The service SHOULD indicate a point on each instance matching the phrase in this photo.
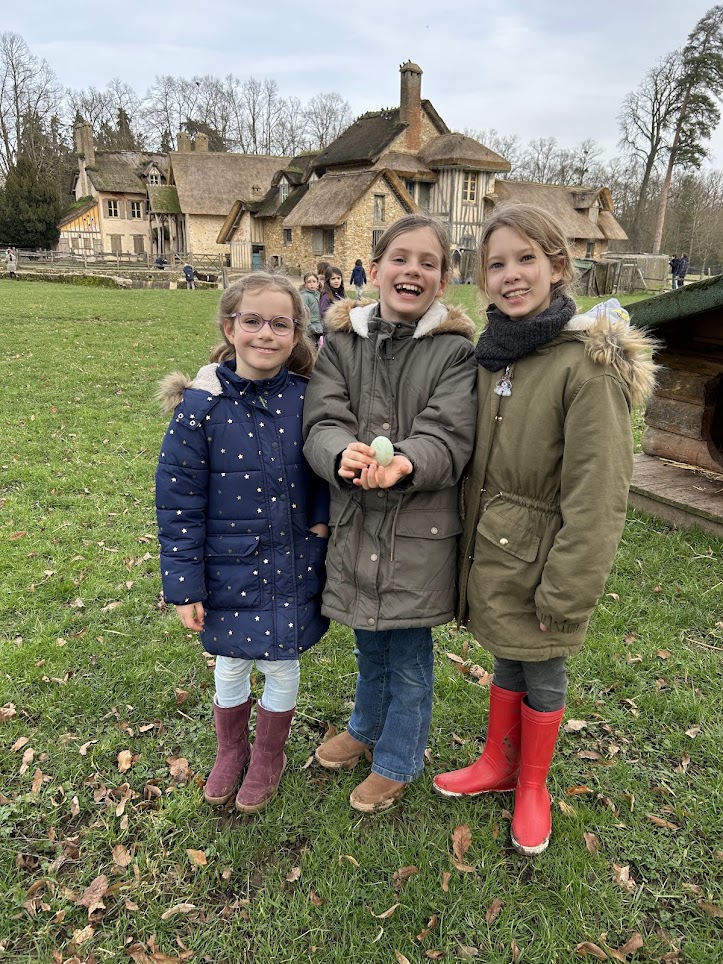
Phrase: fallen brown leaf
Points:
(352, 860)
(588, 948)
(711, 909)
(431, 924)
(494, 910)
(592, 842)
(177, 909)
(180, 770)
(121, 857)
(81, 935)
(92, 896)
(461, 840)
(435, 955)
(315, 899)
(693, 732)
(661, 822)
(574, 726)
(446, 877)
(632, 944)
(197, 857)
(577, 791)
(404, 873)
(293, 875)
(401, 959)
(19, 744)
(621, 876)
(125, 760)
(384, 914)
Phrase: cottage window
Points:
(379, 208)
(590, 249)
(154, 178)
(322, 241)
(288, 236)
(136, 209)
(112, 209)
(469, 188)
(116, 244)
(139, 244)
(376, 238)
(283, 191)
(423, 193)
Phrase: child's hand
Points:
(355, 457)
(377, 476)
(321, 530)
(543, 628)
(191, 615)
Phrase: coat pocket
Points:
(313, 560)
(509, 527)
(233, 578)
(425, 551)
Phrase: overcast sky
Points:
(558, 68)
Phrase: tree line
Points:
(665, 199)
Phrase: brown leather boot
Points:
(268, 760)
(376, 793)
(232, 755)
(342, 752)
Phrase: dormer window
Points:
(154, 177)
(283, 191)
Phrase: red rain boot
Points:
(531, 823)
(232, 737)
(498, 767)
(267, 760)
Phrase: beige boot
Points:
(376, 793)
(342, 752)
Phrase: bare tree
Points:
(327, 115)
(30, 97)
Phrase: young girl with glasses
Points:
(242, 525)
(402, 368)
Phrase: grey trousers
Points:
(545, 682)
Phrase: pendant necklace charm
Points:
(504, 385)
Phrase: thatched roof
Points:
(458, 150)
(163, 199)
(560, 201)
(366, 139)
(120, 172)
(329, 200)
(209, 183)
(405, 165)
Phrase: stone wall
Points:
(202, 231)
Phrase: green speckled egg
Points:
(383, 450)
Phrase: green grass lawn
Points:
(107, 851)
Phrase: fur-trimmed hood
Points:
(172, 386)
(440, 319)
(611, 340)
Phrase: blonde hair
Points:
(412, 222)
(302, 356)
(537, 225)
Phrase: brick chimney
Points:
(183, 142)
(202, 143)
(410, 104)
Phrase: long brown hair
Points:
(302, 356)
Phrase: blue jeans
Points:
(393, 703)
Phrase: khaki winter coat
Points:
(391, 561)
(545, 496)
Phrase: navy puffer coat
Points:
(235, 500)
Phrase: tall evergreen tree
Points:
(29, 208)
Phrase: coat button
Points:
(374, 557)
(434, 530)
(498, 418)
(370, 621)
(385, 425)
(503, 542)
(380, 493)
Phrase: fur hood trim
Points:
(440, 319)
(171, 388)
(611, 340)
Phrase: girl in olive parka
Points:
(545, 497)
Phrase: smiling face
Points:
(409, 275)
(261, 354)
(518, 274)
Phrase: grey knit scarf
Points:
(504, 340)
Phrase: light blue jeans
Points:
(281, 685)
(393, 703)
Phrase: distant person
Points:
(190, 276)
(683, 265)
(310, 295)
(12, 261)
(243, 541)
(674, 264)
(358, 278)
(333, 289)
(160, 262)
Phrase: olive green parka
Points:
(391, 562)
(545, 495)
